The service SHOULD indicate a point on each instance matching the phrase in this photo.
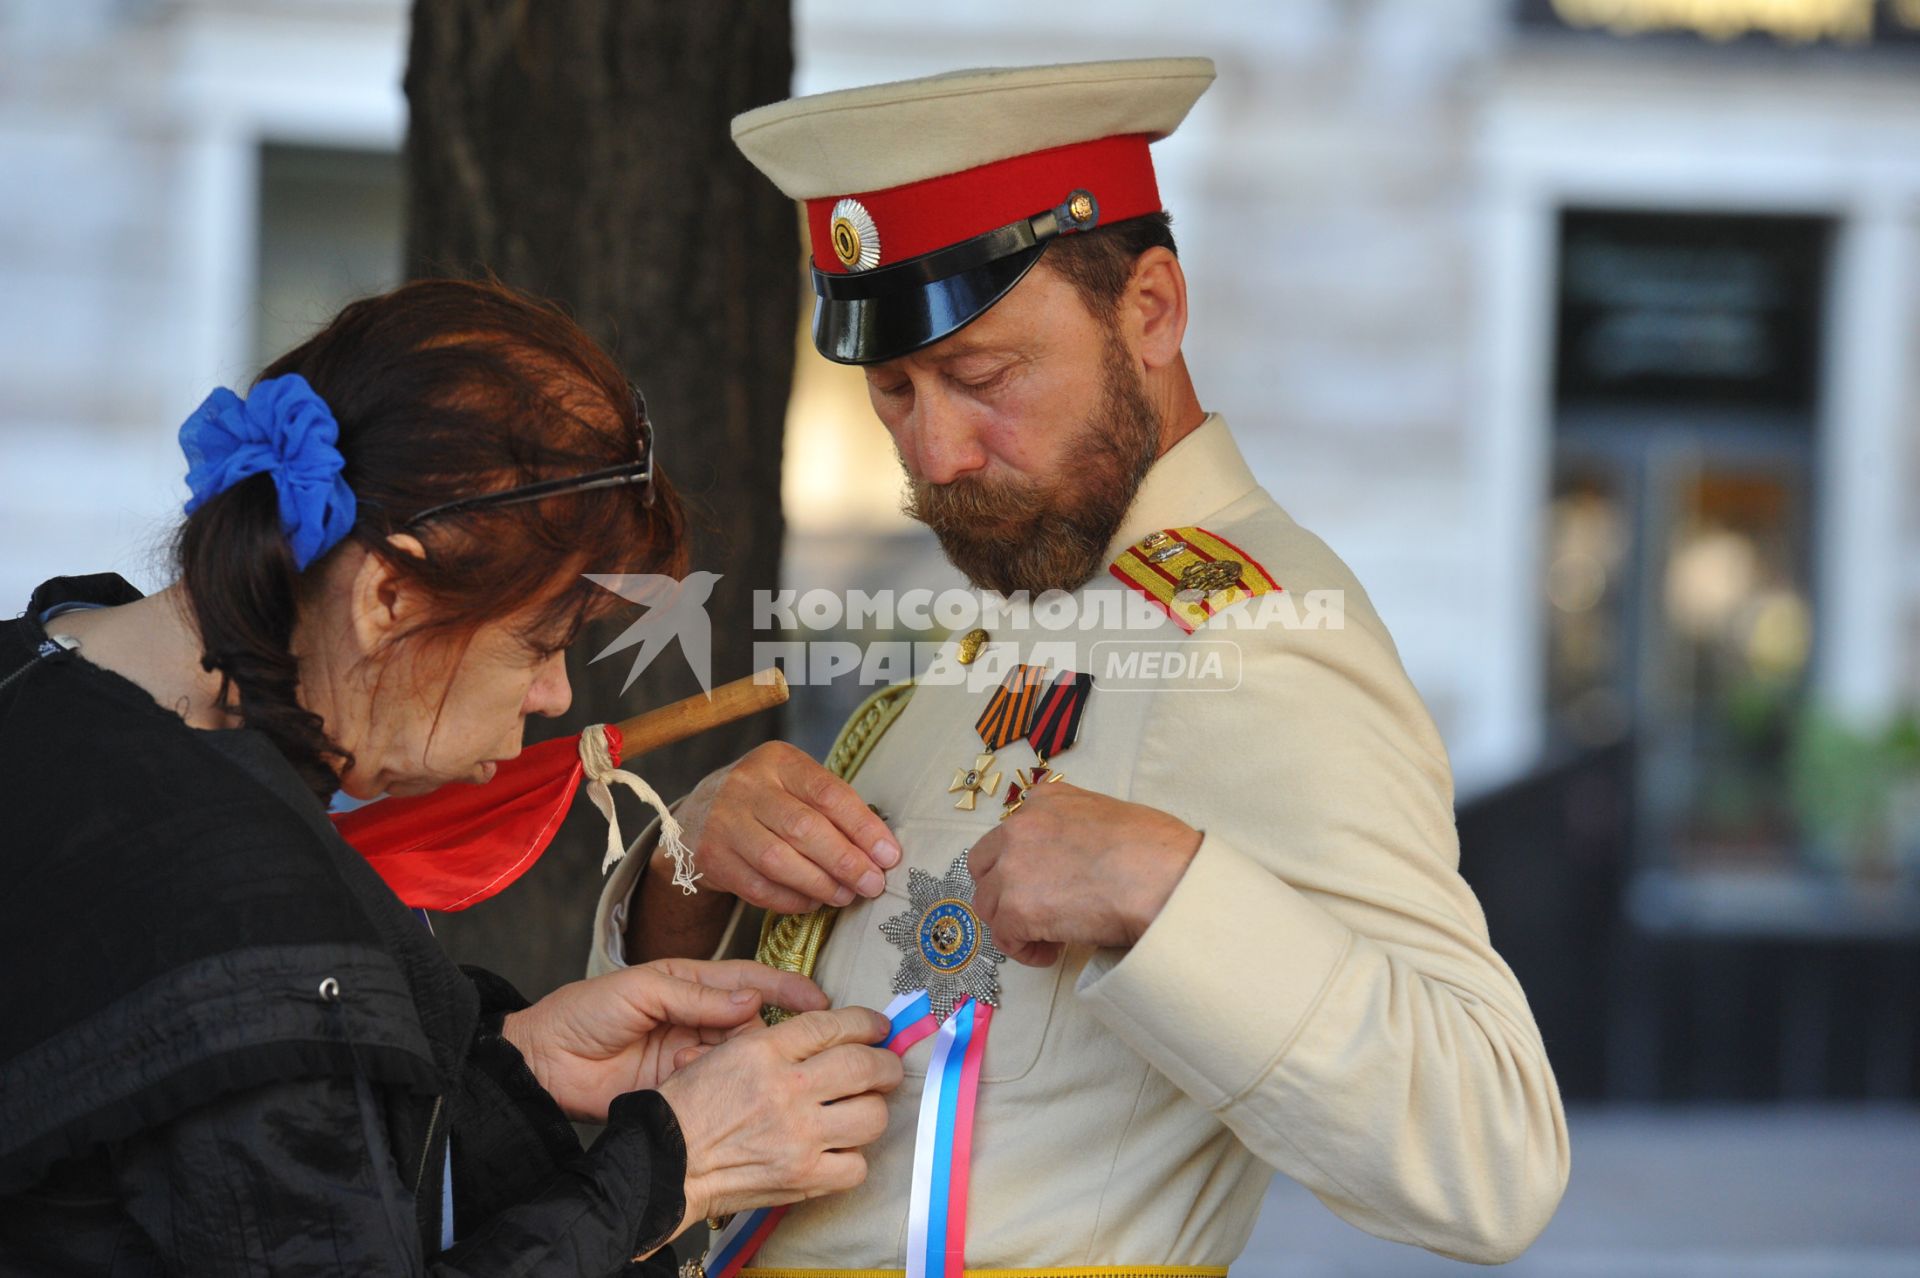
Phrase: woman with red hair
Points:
(227, 1047)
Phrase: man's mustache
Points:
(962, 505)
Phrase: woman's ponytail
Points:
(240, 578)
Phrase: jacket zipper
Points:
(426, 1148)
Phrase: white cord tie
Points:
(596, 759)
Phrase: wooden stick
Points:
(761, 690)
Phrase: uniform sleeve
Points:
(298, 1179)
(609, 945)
(1321, 977)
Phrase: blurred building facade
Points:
(1585, 330)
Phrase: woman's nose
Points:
(551, 692)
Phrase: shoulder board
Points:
(1190, 574)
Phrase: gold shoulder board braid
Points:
(791, 942)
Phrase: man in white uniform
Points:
(1238, 940)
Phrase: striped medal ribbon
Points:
(942, 1152)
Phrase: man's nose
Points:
(945, 444)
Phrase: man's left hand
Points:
(1072, 867)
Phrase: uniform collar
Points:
(1201, 474)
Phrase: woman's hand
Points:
(781, 832)
(591, 1041)
(779, 1116)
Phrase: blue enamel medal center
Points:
(949, 935)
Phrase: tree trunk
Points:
(578, 149)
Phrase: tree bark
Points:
(579, 149)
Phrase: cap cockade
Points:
(928, 200)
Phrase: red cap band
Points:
(923, 216)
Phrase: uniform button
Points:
(329, 990)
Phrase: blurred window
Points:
(1679, 566)
(332, 228)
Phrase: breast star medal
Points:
(946, 948)
(1009, 711)
(1055, 727)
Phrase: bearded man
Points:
(1213, 921)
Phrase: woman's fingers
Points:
(783, 989)
(692, 1003)
(851, 1069)
(809, 1035)
(839, 1171)
(855, 1121)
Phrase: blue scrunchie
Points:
(286, 430)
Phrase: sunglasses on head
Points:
(639, 471)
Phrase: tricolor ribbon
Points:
(942, 1148)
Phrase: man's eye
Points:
(891, 392)
(986, 382)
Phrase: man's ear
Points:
(1155, 305)
(383, 604)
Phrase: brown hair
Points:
(442, 389)
(1099, 263)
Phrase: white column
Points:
(1866, 425)
(219, 242)
(1511, 434)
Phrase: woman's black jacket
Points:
(227, 1048)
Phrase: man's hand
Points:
(591, 1041)
(781, 832)
(1072, 867)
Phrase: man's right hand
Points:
(781, 832)
(779, 1115)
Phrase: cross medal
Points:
(1003, 722)
(1055, 727)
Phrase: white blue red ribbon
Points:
(942, 1149)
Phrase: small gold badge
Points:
(970, 645)
(971, 783)
(1197, 581)
(856, 240)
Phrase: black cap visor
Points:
(872, 316)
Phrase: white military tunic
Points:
(1318, 995)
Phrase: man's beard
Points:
(1021, 534)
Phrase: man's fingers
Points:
(844, 868)
(819, 789)
(1035, 953)
(688, 1055)
(776, 858)
(812, 1033)
(756, 890)
(987, 851)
